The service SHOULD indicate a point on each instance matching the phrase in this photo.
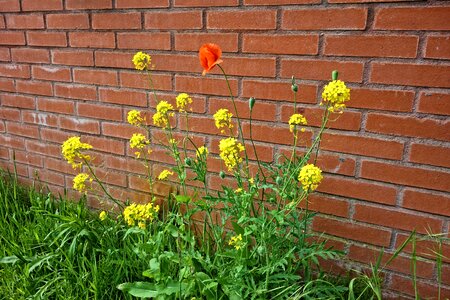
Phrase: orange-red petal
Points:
(209, 55)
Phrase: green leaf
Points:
(238, 229)
(182, 198)
(9, 259)
(139, 289)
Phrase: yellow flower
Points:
(336, 94)
(238, 190)
(229, 152)
(202, 151)
(79, 182)
(71, 150)
(161, 117)
(183, 100)
(138, 141)
(140, 214)
(236, 242)
(134, 118)
(141, 61)
(251, 180)
(310, 176)
(297, 119)
(222, 119)
(103, 215)
(164, 174)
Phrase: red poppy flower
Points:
(209, 55)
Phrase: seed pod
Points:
(251, 103)
(334, 75)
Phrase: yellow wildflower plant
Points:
(138, 141)
(202, 151)
(237, 242)
(164, 174)
(310, 176)
(79, 182)
(230, 150)
(134, 118)
(71, 151)
(103, 215)
(336, 94)
(222, 119)
(295, 120)
(140, 214)
(161, 117)
(141, 61)
(183, 100)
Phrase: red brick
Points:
(279, 2)
(113, 178)
(25, 21)
(105, 145)
(75, 92)
(32, 5)
(7, 85)
(174, 20)
(327, 205)
(67, 21)
(12, 114)
(5, 54)
(272, 134)
(9, 5)
(276, 90)
(261, 111)
(228, 42)
(434, 103)
(88, 4)
(426, 290)
(425, 246)
(14, 142)
(99, 111)
(321, 69)
(20, 101)
(376, 99)
(27, 131)
(123, 97)
(359, 189)
(127, 164)
(34, 87)
(142, 3)
(43, 148)
(51, 73)
(73, 58)
(92, 76)
(113, 59)
(371, 45)
(15, 70)
(205, 3)
(430, 155)
(246, 66)
(438, 204)
(38, 118)
(55, 105)
(2, 23)
(28, 158)
(323, 19)
(56, 136)
(47, 39)
(408, 126)
(122, 21)
(4, 152)
(438, 47)
(143, 41)
(204, 85)
(396, 219)
(412, 18)
(411, 74)
(141, 81)
(241, 19)
(30, 55)
(53, 178)
(403, 175)
(92, 39)
(12, 38)
(281, 44)
(361, 145)
(336, 164)
(79, 124)
(120, 130)
(358, 232)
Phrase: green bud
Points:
(251, 102)
(188, 161)
(334, 75)
(294, 88)
(222, 174)
(279, 180)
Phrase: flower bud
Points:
(222, 174)
(334, 75)
(188, 161)
(279, 180)
(251, 102)
(294, 88)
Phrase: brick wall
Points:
(65, 69)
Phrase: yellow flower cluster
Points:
(138, 141)
(164, 174)
(103, 215)
(141, 61)
(297, 119)
(202, 151)
(336, 94)
(310, 176)
(237, 242)
(161, 117)
(183, 100)
(79, 182)
(134, 118)
(229, 152)
(71, 151)
(222, 119)
(140, 214)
